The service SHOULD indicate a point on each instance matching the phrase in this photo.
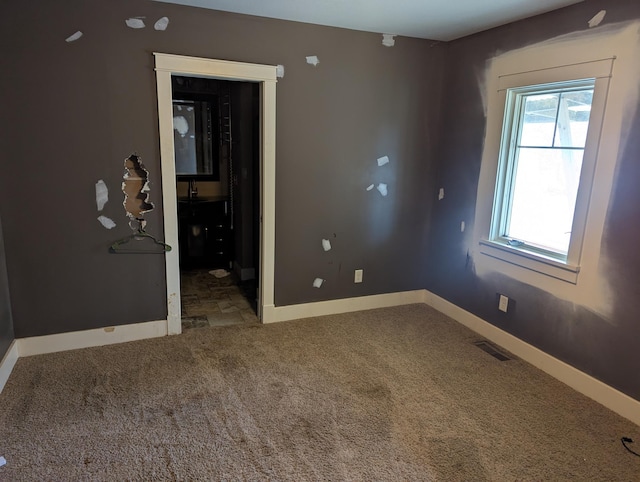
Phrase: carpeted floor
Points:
(391, 394)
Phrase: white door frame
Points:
(165, 66)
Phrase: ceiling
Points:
(429, 19)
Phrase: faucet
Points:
(193, 189)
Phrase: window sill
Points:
(531, 261)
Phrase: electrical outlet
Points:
(357, 277)
(503, 304)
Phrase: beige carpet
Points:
(390, 394)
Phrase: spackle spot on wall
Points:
(280, 71)
(597, 19)
(135, 22)
(317, 283)
(74, 37)
(313, 60)
(441, 194)
(161, 24)
(106, 222)
(102, 194)
(388, 40)
(462, 226)
(370, 187)
(382, 189)
(383, 160)
(135, 187)
(326, 244)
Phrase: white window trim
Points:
(587, 286)
(494, 245)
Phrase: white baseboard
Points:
(273, 314)
(8, 362)
(611, 398)
(602, 393)
(39, 345)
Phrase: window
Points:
(547, 152)
(540, 163)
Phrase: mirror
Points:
(195, 134)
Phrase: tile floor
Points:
(211, 301)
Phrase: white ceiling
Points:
(429, 19)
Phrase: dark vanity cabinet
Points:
(205, 233)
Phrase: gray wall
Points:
(605, 348)
(79, 109)
(6, 321)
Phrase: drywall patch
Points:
(317, 283)
(106, 222)
(280, 71)
(102, 194)
(597, 19)
(161, 24)
(370, 187)
(135, 22)
(74, 37)
(326, 244)
(441, 194)
(135, 186)
(313, 60)
(462, 226)
(383, 160)
(382, 189)
(388, 40)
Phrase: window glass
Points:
(543, 165)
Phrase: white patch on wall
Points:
(313, 60)
(370, 187)
(136, 22)
(388, 40)
(383, 160)
(597, 19)
(621, 41)
(102, 194)
(181, 125)
(317, 283)
(382, 189)
(441, 194)
(74, 37)
(462, 226)
(280, 71)
(161, 24)
(106, 222)
(326, 244)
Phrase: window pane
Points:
(573, 118)
(539, 120)
(543, 197)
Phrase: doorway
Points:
(265, 76)
(216, 139)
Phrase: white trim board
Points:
(611, 398)
(8, 362)
(39, 345)
(273, 314)
(602, 393)
(265, 75)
